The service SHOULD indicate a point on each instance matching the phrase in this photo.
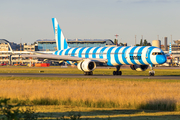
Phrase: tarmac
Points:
(87, 76)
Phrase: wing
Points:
(64, 58)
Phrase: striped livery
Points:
(118, 55)
(86, 58)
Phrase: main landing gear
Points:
(88, 73)
(152, 72)
(117, 72)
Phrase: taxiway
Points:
(85, 76)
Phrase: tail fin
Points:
(60, 40)
(170, 51)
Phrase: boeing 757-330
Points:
(86, 58)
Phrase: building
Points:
(46, 45)
(175, 46)
(33, 47)
(177, 42)
(50, 44)
(4, 45)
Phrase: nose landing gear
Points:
(152, 72)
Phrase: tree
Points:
(115, 41)
(144, 43)
(141, 43)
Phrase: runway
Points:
(85, 76)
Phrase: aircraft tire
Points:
(114, 73)
(119, 72)
(151, 74)
(88, 73)
(91, 73)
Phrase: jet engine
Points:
(86, 66)
(139, 67)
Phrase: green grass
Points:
(69, 70)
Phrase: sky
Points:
(25, 21)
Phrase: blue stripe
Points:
(132, 54)
(124, 55)
(68, 62)
(140, 54)
(59, 37)
(87, 52)
(60, 53)
(55, 52)
(74, 52)
(109, 56)
(94, 52)
(65, 44)
(116, 55)
(101, 52)
(80, 52)
(66, 53)
(148, 55)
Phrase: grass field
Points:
(95, 98)
(69, 70)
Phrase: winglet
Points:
(60, 40)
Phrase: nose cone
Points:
(161, 59)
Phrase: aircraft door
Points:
(147, 54)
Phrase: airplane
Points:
(86, 58)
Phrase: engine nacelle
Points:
(86, 66)
(139, 67)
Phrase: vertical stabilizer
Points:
(60, 40)
(170, 51)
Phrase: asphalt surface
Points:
(85, 76)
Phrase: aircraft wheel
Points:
(119, 72)
(114, 73)
(151, 73)
(91, 73)
(88, 73)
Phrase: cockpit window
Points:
(157, 53)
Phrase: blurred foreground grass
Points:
(93, 98)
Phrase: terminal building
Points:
(50, 44)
